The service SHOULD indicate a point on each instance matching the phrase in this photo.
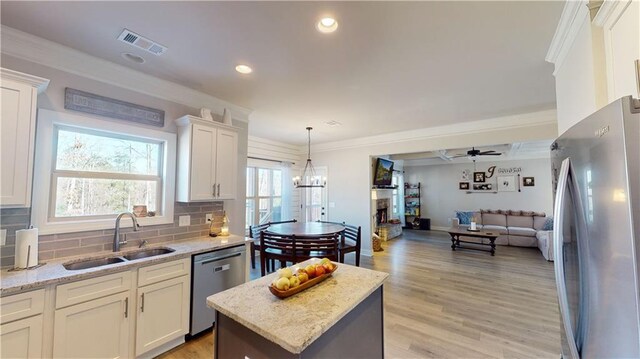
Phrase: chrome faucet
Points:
(116, 237)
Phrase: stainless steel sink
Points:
(148, 253)
(92, 263)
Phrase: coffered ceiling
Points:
(390, 66)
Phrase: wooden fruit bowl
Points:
(308, 284)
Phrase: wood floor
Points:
(462, 304)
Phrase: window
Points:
(264, 195)
(102, 174)
(396, 200)
(88, 171)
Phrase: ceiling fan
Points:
(473, 153)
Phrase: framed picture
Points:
(478, 177)
(482, 187)
(463, 185)
(506, 184)
(465, 175)
(528, 181)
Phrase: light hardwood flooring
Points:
(462, 304)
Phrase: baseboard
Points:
(163, 348)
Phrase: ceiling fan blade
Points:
(458, 156)
(485, 152)
(491, 154)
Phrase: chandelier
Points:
(309, 178)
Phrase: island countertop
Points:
(296, 322)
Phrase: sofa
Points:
(515, 228)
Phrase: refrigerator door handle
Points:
(563, 301)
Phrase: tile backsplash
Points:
(88, 242)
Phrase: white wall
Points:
(440, 195)
(349, 162)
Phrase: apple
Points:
(320, 271)
(303, 276)
(324, 260)
(294, 281)
(283, 284)
(285, 272)
(311, 270)
(329, 267)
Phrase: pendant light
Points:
(309, 177)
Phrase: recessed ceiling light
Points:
(244, 69)
(327, 25)
(133, 58)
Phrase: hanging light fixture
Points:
(309, 177)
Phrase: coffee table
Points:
(456, 232)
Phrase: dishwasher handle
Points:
(221, 258)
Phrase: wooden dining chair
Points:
(274, 247)
(307, 247)
(254, 232)
(350, 241)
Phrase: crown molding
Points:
(527, 120)
(574, 14)
(610, 10)
(35, 49)
(39, 83)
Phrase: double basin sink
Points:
(99, 262)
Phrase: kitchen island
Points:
(339, 317)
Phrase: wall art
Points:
(104, 106)
(506, 184)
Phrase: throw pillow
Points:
(464, 217)
(548, 224)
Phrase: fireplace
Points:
(382, 210)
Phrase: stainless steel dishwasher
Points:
(213, 272)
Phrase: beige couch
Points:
(516, 228)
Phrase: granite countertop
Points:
(296, 322)
(12, 282)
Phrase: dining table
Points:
(302, 229)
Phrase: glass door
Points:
(314, 201)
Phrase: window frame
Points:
(44, 193)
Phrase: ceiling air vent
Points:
(141, 42)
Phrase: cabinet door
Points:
(203, 162)
(163, 313)
(17, 128)
(227, 164)
(622, 44)
(22, 338)
(95, 329)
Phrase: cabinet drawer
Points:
(22, 305)
(88, 289)
(163, 271)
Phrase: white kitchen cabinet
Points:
(620, 21)
(99, 328)
(163, 313)
(22, 325)
(207, 160)
(21, 338)
(19, 95)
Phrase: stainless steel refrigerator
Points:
(596, 166)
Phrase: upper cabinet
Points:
(620, 21)
(207, 160)
(17, 130)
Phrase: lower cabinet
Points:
(95, 329)
(22, 338)
(163, 313)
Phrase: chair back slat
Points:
(275, 242)
(254, 231)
